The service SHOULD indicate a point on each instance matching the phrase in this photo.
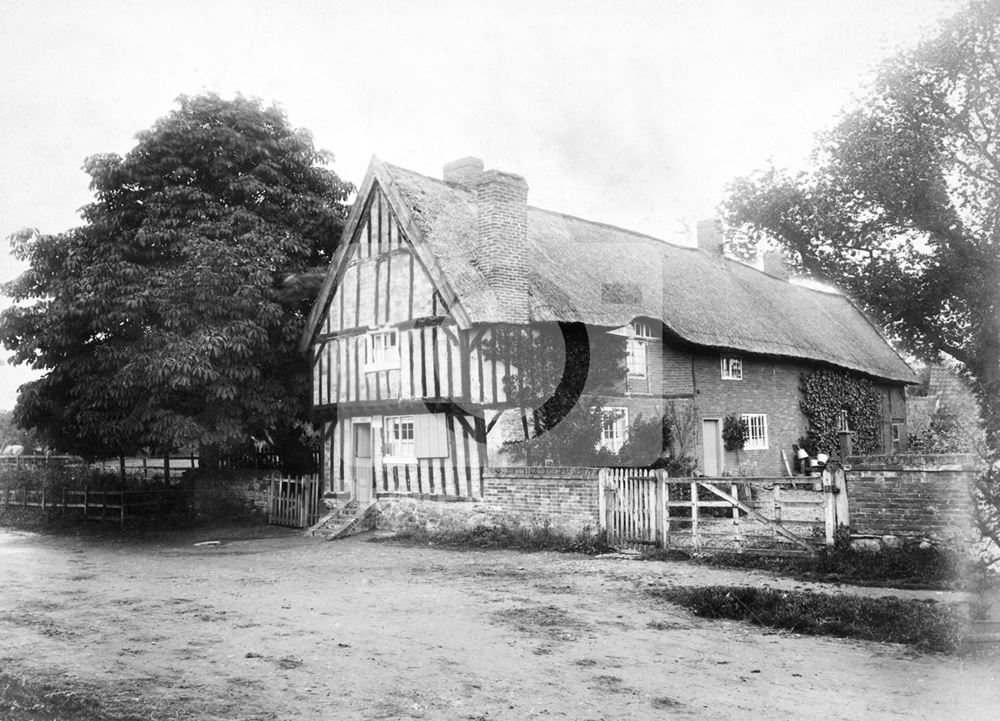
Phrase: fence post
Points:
(43, 499)
(602, 502)
(121, 509)
(86, 500)
(63, 499)
(660, 511)
(695, 538)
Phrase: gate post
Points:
(602, 502)
(660, 511)
(829, 506)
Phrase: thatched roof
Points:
(606, 276)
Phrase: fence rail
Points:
(103, 505)
(640, 508)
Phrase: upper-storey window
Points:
(383, 351)
(642, 333)
(732, 369)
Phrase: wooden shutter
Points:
(430, 436)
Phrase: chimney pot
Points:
(464, 171)
(710, 236)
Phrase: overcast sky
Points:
(630, 113)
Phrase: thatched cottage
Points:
(412, 372)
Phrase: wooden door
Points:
(712, 442)
(362, 463)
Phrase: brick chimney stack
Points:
(710, 237)
(464, 171)
(775, 265)
(502, 250)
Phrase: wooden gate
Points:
(642, 508)
(630, 510)
(294, 502)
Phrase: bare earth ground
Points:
(285, 627)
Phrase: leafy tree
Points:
(171, 316)
(903, 206)
(903, 209)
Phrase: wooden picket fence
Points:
(294, 502)
(642, 508)
(101, 505)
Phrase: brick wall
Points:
(769, 386)
(911, 496)
(565, 497)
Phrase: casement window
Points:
(636, 357)
(732, 369)
(842, 423)
(614, 429)
(383, 351)
(756, 431)
(400, 437)
(408, 438)
(642, 333)
(896, 438)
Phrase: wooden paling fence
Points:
(101, 505)
(642, 508)
(294, 502)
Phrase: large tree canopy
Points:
(165, 319)
(902, 209)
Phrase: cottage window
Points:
(843, 424)
(400, 437)
(636, 348)
(732, 369)
(614, 429)
(383, 351)
(636, 357)
(896, 438)
(642, 329)
(756, 431)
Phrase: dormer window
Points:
(732, 369)
(642, 329)
(383, 351)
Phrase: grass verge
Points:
(23, 699)
(521, 538)
(908, 566)
(926, 626)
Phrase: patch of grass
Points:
(907, 566)
(521, 538)
(926, 626)
(24, 699)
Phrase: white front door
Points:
(712, 442)
(362, 463)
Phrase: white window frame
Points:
(400, 450)
(732, 368)
(757, 439)
(637, 359)
(382, 355)
(642, 329)
(618, 419)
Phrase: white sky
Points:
(631, 113)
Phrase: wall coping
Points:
(583, 472)
(912, 462)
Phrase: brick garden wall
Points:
(911, 496)
(564, 499)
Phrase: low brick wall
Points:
(564, 499)
(911, 496)
(231, 495)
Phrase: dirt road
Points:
(294, 628)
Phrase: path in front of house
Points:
(293, 628)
